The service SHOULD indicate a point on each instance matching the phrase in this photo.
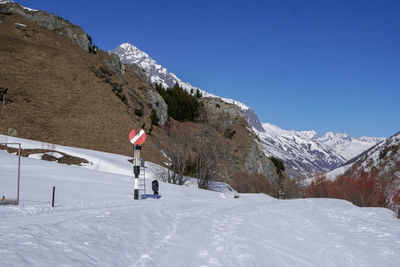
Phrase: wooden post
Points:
(54, 193)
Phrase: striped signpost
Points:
(137, 141)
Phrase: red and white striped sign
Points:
(137, 139)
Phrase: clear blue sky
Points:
(322, 65)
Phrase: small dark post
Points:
(3, 92)
(54, 193)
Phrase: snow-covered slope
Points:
(301, 152)
(130, 54)
(382, 163)
(106, 162)
(306, 154)
(348, 147)
(97, 223)
(383, 159)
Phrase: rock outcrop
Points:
(50, 22)
(113, 63)
(159, 105)
(253, 120)
(247, 155)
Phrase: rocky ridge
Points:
(382, 160)
(306, 154)
(131, 55)
(50, 22)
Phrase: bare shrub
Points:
(363, 189)
(178, 152)
(205, 158)
(245, 182)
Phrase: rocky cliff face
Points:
(49, 22)
(253, 120)
(113, 63)
(247, 155)
(159, 105)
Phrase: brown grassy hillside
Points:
(57, 92)
(54, 95)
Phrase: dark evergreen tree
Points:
(198, 94)
(182, 106)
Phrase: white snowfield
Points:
(96, 222)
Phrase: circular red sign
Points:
(137, 139)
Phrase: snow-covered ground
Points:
(97, 223)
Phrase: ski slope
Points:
(97, 223)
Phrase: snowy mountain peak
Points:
(273, 130)
(136, 51)
(331, 136)
(348, 146)
(310, 135)
(128, 45)
(130, 54)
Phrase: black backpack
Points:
(154, 185)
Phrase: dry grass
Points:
(56, 97)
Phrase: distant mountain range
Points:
(383, 160)
(381, 163)
(304, 152)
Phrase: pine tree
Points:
(182, 106)
(198, 94)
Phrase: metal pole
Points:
(54, 193)
(136, 169)
(19, 167)
(19, 171)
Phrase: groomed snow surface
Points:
(97, 223)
